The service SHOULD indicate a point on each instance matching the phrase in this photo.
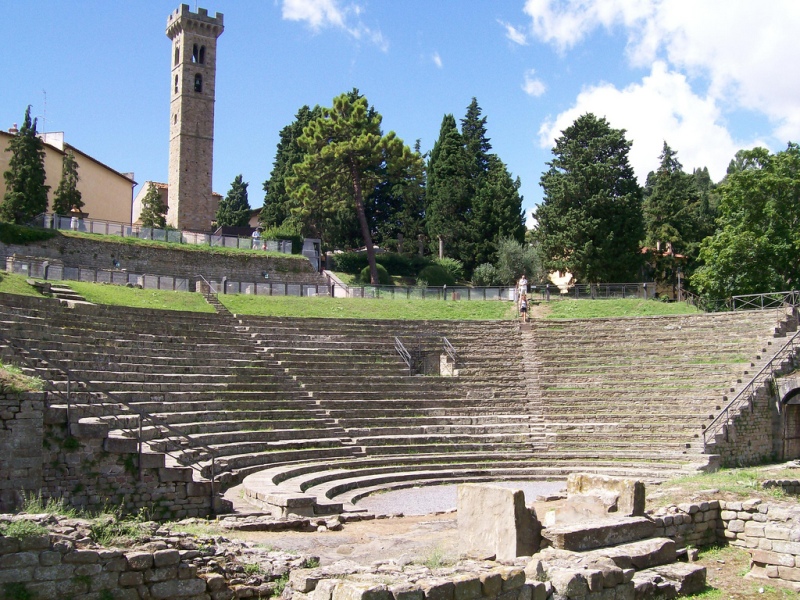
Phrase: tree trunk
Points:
(362, 220)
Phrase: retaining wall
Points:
(769, 532)
(84, 466)
(100, 255)
(21, 434)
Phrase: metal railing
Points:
(404, 354)
(765, 301)
(30, 357)
(450, 351)
(172, 236)
(747, 394)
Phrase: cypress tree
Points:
(26, 192)
(154, 211)
(234, 209)
(67, 194)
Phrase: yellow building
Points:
(107, 194)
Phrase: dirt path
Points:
(406, 539)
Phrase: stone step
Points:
(599, 533)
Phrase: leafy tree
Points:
(234, 209)
(757, 246)
(347, 157)
(590, 220)
(277, 201)
(154, 211)
(26, 192)
(515, 259)
(67, 194)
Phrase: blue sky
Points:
(708, 77)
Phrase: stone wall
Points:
(37, 568)
(85, 467)
(91, 470)
(136, 258)
(20, 446)
(755, 435)
(769, 532)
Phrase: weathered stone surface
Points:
(569, 582)
(598, 534)
(625, 497)
(177, 587)
(494, 521)
(642, 554)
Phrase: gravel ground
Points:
(436, 498)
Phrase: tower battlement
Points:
(184, 18)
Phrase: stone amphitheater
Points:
(274, 423)
(169, 409)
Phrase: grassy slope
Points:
(363, 308)
(124, 296)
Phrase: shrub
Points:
(485, 275)
(19, 234)
(22, 529)
(349, 262)
(436, 276)
(285, 231)
(399, 264)
(383, 275)
(453, 266)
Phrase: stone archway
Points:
(789, 391)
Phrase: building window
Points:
(202, 55)
(176, 84)
(195, 53)
(198, 83)
(175, 119)
(177, 55)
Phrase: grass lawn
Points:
(596, 309)
(117, 295)
(11, 283)
(368, 308)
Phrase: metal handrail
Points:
(212, 290)
(118, 423)
(404, 354)
(765, 301)
(451, 351)
(746, 394)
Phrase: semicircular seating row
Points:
(325, 408)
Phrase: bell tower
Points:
(191, 126)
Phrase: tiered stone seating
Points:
(320, 412)
(193, 372)
(643, 386)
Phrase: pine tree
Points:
(347, 157)
(590, 220)
(26, 192)
(234, 209)
(473, 131)
(67, 195)
(154, 211)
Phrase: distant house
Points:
(106, 193)
(163, 190)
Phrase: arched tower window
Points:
(195, 53)
(202, 55)
(198, 83)
(177, 55)
(176, 84)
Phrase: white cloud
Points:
(319, 14)
(661, 108)
(533, 86)
(437, 60)
(514, 34)
(745, 52)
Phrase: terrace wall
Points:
(134, 258)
